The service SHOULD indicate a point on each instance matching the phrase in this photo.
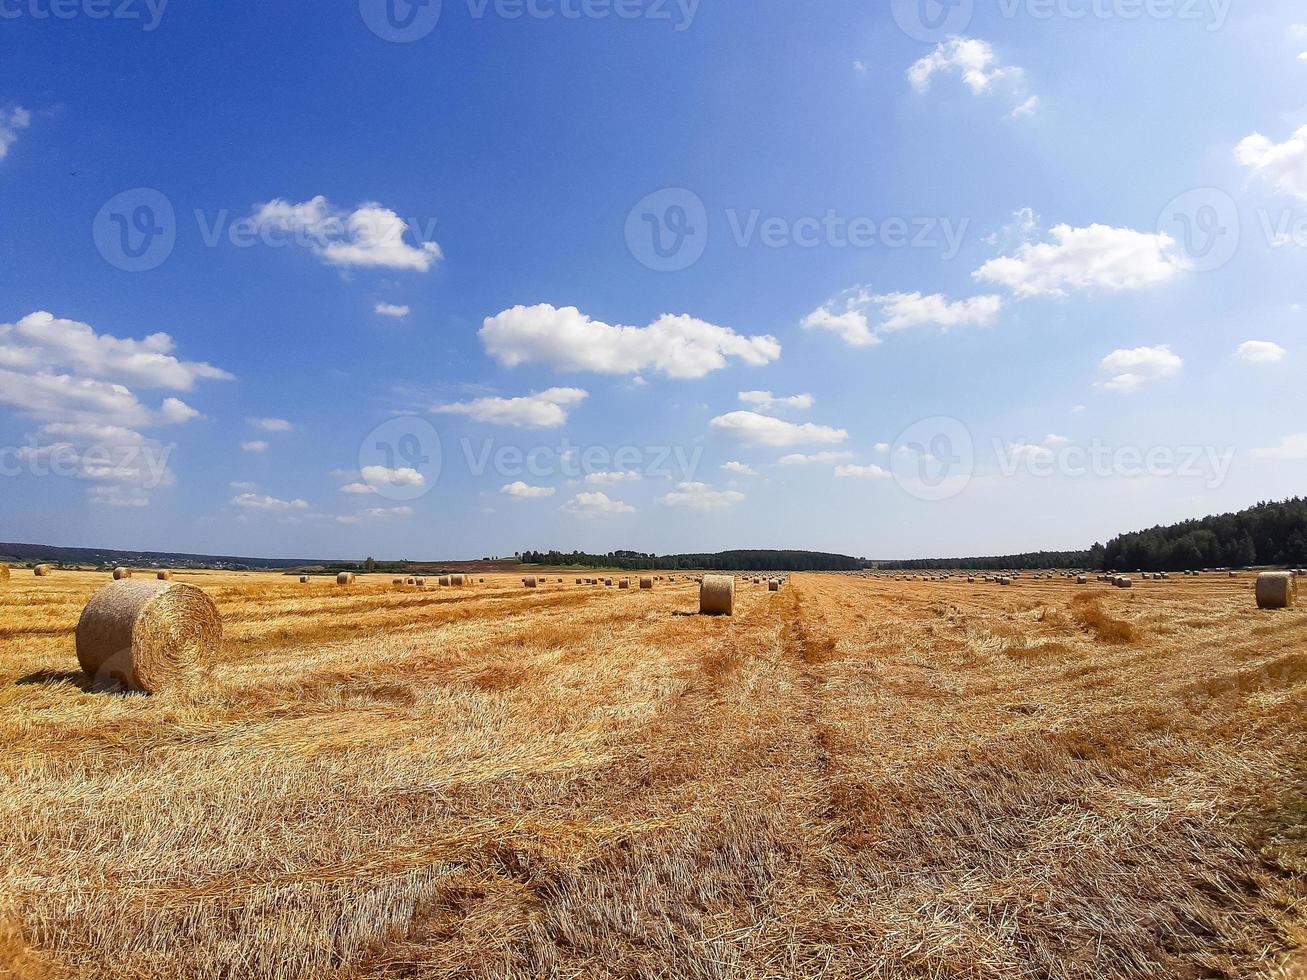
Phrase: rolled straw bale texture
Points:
(529, 582)
(42, 570)
(303, 579)
(419, 581)
(344, 578)
(1123, 582)
(145, 634)
(1276, 590)
(121, 573)
(442, 580)
(646, 582)
(396, 581)
(4, 572)
(1082, 579)
(773, 586)
(717, 595)
(458, 580)
(164, 576)
(624, 583)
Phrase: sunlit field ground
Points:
(850, 777)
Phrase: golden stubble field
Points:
(849, 778)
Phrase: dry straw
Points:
(624, 583)
(164, 576)
(4, 572)
(442, 580)
(717, 595)
(419, 581)
(121, 573)
(144, 634)
(42, 570)
(529, 582)
(773, 586)
(1276, 590)
(458, 580)
(303, 579)
(344, 578)
(646, 582)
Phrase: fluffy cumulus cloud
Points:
(79, 386)
(979, 67)
(380, 477)
(596, 502)
(869, 472)
(612, 478)
(11, 122)
(754, 429)
(765, 401)
(255, 501)
(568, 340)
(814, 459)
(392, 310)
(254, 446)
(1291, 447)
(1260, 352)
(525, 491)
(1096, 257)
(739, 469)
(1129, 370)
(370, 236)
(542, 410)
(862, 318)
(700, 496)
(1283, 165)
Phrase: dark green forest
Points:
(744, 561)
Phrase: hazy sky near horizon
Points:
(459, 278)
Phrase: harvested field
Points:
(850, 777)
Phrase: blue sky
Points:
(274, 284)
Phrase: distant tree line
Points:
(750, 560)
(1034, 561)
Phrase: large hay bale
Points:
(345, 578)
(717, 595)
(458, 580)
(145, 634)
(163, 576)
(646, 582)
(529, 582)
(1276, 590)
(121, 573)
(1123, 582)
(41, 570)
(442, 580)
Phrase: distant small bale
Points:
(419, 582)
(164, 576)
(580, 581)
(121, 573)
(303, 579)
(442, 580)
(1276, 590)
(41, 570)
(1123, 582)
(624, 583)
(458, 580)
(646, 582)
(145, 634)
(345, 578)
(1234, 575)
(396, 581)
(717, 595)
(529, 582)
(774, 585)
(1082, 580)
(4, 572)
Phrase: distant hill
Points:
(150, 559)
(745, 560)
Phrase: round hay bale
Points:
(41, 570)
(443, 580)
(529, 582)
(344, 578)
(303, 579)
(121, 573)
(458, 580)
(1082, 580)
(1123, 582)
(145, 634)
(717, 595)
(419, 582)
(774, 585)
(646, 582)
(608, 582)
(4, 572)
(396, 581)
(624, 583)
(164, 576)
(1276, 590)
(482, 581)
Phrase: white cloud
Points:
(850, 315)
(1028, 450)
(765, 401)
(359, 488)
(1099, 257)
(1132, 369)
(739, 469)
(753, 429)
(1284, 165)
(390, 309)
(10, 123)
(608, 479)
(700, 496)
(1260, 352)
(526, 491)
(1053, 439)
(868, 472)
(370, 236)
(254, 446)
(882, 448)
(254, 501)
(596, 502)
(271, 425)
(568, 340)
(385, 513)
(542, 410)
(1292, 447)
(979, 67)
(810, 459)
(385, 476)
